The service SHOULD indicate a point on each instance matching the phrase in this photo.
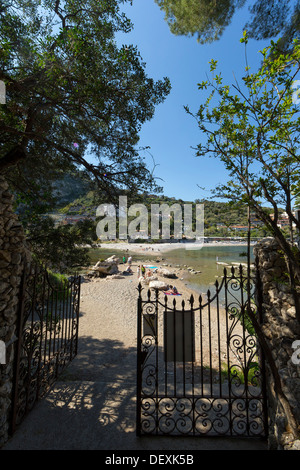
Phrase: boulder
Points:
(104, 268)
(166, 273)
(160, 285)
(112, 259)
(148, 279)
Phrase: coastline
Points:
(156, 248)
(157, 254)
(115, 281)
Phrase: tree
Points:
(278, 17)
(54, 246)
(208, 19)
(75, 104)
(254, 131)
(72, 94)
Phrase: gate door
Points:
(200, 368)
(47, 336)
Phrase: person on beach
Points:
(139, 271)
(173, 290)
(129, 261)
(143, 270)
(124, 259)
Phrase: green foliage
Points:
(271, 19)
(59, 283)
(56, 246)
(238, 374)
(219, 216)
(207, 19)
(72, 93)
(253, 128)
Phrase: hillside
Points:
(220, 218)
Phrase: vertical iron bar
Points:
(62, 346)
(18, 348)
(219, 341)
(166, 351)
(72, 312)
(56, 341)
(193, 359)
(42, 272)
(209, 336)
(259, 302)
(30, 346)
(77, 313)
(183, 349)
(139, 363)
(66, 341)
(46, 332)
(70, 294)
(55, 323)
(228, 350)
(174, 347)
(243, 313)
(157, 363)
(50, 323)
(201, 345)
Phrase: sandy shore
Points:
(155, 248)
(108, 323)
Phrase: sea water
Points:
(204, 260)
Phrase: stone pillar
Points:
(281, 330)
(13, 256)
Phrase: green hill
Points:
(220, 218)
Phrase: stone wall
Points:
(13, 256)
(281, 330)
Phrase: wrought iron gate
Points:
(200, 371)
(47, 336)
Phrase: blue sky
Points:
(172, 132)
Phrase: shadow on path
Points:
(93, 407)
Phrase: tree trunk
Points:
(12, 157)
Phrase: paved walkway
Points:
(101, 416)
(93, 415)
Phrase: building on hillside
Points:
(283, 220)
(242, 228)
(73, 219)
(254, 221)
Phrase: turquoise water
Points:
(204, 260)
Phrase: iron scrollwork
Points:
(47, 336)
(216, 390)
